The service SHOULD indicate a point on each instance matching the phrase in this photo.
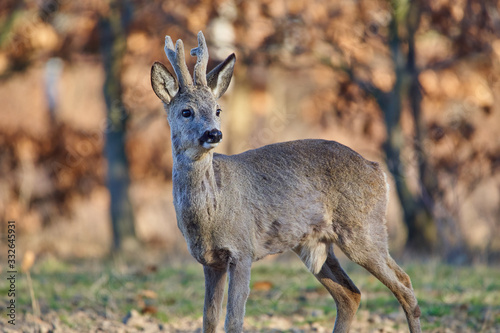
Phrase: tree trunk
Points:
(112, 30)
(417, 212)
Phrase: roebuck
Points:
(302, 195)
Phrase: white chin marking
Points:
(208, 145)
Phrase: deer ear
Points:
(219, 78)
(164, 84)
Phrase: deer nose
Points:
(212, 136)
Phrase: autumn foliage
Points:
(412, 84)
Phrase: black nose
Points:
(212, 136)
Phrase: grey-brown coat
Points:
(303, 196)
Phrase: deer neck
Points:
(195, 187)
(193, 173)
(195, 201)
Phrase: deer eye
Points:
(217, 113)
(187, 113)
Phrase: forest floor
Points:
(107, 296)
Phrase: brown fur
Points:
(303, 196)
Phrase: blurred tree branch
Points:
(417, 209)
(8, 23)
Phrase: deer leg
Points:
(215, 279)
(345, 293)
(239, 289)
(396, 279)
(372, 254)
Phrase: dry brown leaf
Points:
(263, 285)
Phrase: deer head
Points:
(191, 103)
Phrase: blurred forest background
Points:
(85, 156)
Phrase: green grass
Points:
(445, 292)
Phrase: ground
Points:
(113, 296)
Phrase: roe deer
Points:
(302, 195)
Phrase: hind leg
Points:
(346, 295)
(399, 283)
(376, 259)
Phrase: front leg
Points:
(239, 289)
(215, 279)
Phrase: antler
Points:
(178, 61)
(200, 69)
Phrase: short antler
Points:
(200, 69)
(178, 61)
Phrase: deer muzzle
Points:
(210, 139)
